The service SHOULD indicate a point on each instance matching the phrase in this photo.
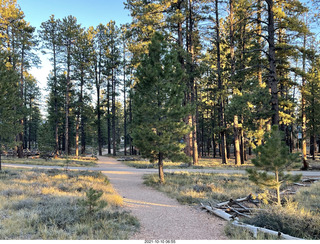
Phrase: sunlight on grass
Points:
(45, 204)
(203, 163)
(299, 216)
(71, 162)
(192, 188)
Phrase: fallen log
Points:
(311, 180)
(237, 212)
(219, 213)
(255, 231)
(288, 193)
(299, 184)
(240, 205)
(251, 228)
(237, 200)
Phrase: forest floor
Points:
(160, 216)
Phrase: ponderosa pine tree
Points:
(82, 55)
(158, 110)
(49, 34)
(69, 31)
(312, 100)
(112, 66)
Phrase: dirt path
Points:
(161, 217)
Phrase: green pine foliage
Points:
(92, 202)
(158, 127)
(9, 101)
(272, 159)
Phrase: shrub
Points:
(92, 202)
(23, 204)
(290, 220)
(272, 159)
(58, 212)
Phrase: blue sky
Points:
(87, 12)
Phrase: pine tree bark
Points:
(80, 105)
(160, 167)
(55, 101)
(191, 139)
(259, 31)
(22, 121)
(98, 76)
(108, 118)
(273, 83)
(303, 111)
(83, 134)
(114, 139)
(67, 99)
(235, 118)
(124, 99)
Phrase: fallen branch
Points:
(255, 231)
(230, 201)
(237, 212)
(219, 213)
(311, 180)
(242, 206)
(299, 184)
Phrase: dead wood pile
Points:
(232, 210)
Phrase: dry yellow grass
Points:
(40, 204)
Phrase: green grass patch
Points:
(48, 204)
(63, 162)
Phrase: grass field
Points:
(203, 164)
(71, 162)
(207, 163)
(49, 204)
(299, 216)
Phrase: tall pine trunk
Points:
(235, 118)
(259, 31)
(221, 88)
(303, 111)
(55, 101)
(273, 83)
(67, 100)
(98, 76)
(160, 167)
(114, 144)
(22, 120)
(195, 154)
(124, 99)
(79, 113)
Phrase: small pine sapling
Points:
(273, 158)
(92, 202)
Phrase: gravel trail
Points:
(161, 217)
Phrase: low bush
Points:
(290, 220)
